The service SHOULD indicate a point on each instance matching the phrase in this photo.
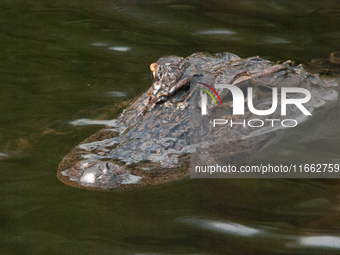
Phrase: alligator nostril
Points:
(107, 166)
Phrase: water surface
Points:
(70, 60)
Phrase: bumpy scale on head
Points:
(166, 76)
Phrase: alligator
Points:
(152, 141)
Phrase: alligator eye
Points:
(153, 68)
(152, 77)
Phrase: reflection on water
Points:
(263, 235)
(68, 61)
(230, 228)
(86, 122)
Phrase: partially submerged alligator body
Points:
(151, 141)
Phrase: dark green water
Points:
(67, 60)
